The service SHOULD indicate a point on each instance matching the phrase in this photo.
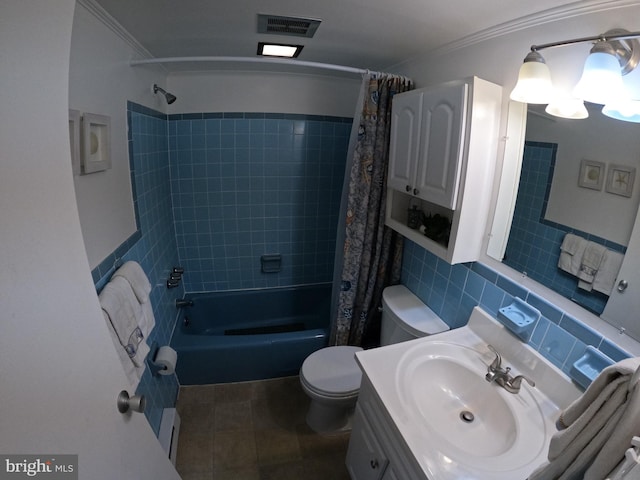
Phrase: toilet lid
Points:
(333, 370)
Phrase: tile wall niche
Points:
(248, 184)
(452, 291)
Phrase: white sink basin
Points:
(456, 424)
(442, 386)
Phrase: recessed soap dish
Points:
(588, 367)
(519, 317)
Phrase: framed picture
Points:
(96, 155)
(620, 180)
(74, 140)
(591, 174)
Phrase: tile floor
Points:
(254, 431)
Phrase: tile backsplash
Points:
(452, 291)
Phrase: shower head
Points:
(168, 96)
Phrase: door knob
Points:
(137, 403)
(622, 285)
(408, 188)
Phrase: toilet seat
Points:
(332, 372)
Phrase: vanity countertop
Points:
(425, 383)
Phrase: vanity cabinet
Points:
(376, 449)
(442, 157)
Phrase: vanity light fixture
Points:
(279, 50)
(615, 53)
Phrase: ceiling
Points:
(373, 34)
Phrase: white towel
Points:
(591, 262)
(125, 314)
(571, 252)
(133, 273)
(598, 427)
(605, 279)
(133, 373)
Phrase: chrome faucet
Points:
(501, 376)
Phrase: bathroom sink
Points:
(442, 388)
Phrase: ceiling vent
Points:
(294, 26)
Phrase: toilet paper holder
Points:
(154, 368)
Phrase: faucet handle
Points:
(497, 362)
(516, 382)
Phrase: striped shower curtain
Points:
(372, 251)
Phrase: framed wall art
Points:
(591, 174)
(620, 180)
(96, 139)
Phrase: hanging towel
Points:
(571, 252)
(590, 264)
(133, 273)
(608, 272)
(597, 428)
(125, 315)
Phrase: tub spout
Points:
(183, 303)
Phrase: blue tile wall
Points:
(453, 291)
(248, 184)
(534, 243)
(153, 246)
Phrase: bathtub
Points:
(250, 334)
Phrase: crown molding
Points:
(575, 9)
(112, 24)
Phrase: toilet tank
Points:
(405, 317)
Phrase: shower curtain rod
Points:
(276, 61)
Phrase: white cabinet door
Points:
(405, 140)
(365, 458)
(441, 145)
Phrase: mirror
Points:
(567, 184)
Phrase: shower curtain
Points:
(372, 253)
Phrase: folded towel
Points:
(572, 243)
(133, 373)
(133, 273)
(605, 279)
(591, 261)
(571, 252)
(597, 427)
(125, 314)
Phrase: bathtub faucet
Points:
(183, 303)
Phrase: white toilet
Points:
(331, 377)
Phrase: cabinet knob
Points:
(374, 463)
(416, 191)
(408, 188)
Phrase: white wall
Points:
(59, 371)
(595, 138)
(101, 81)
(225, 91)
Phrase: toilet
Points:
(331, 377)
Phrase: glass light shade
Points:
(534, 84)
(627, 111)
(601, 80)
(567, 107)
